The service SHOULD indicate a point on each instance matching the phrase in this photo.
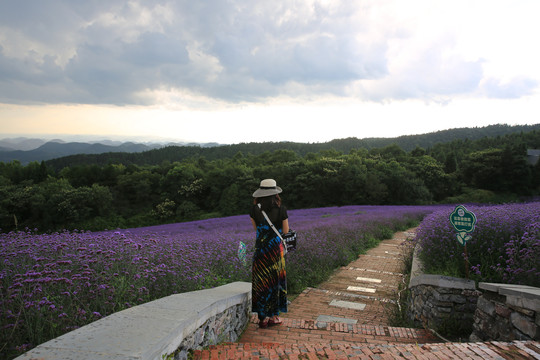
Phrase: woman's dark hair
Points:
(268, 202)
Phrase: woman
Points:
(269, 283)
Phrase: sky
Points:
(232, 71)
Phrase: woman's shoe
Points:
(275, 321)
(263, 324)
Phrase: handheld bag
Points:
(288, 239)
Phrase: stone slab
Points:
(442, 281)
(528, 292)
(495, 287)
(377, 281)
(44, 352)
(335, 319)
(416, 267)
(523, 296)
(348, 304)
(361, 289)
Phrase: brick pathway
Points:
(379, 270)
(346, 317)
(518, 350)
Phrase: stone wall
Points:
(223, 327)
(166, 328)
(443, 303)
(495, 312)
(507, 312)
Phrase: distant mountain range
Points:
(20, 143)
(27, 150)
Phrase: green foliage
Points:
(165, 211)
(472, 195)
(187, 183)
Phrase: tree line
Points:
(123, 194)
(179, 153)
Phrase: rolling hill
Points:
(59, 154)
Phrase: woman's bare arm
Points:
(285, 226)
(254, 224)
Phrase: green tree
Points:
(70, 207)
(432, 173)
(403, 186)
(499, 170)
(516, 173)
(179, 176)
(165, 211)
(137, 192)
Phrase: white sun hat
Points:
(268, 187)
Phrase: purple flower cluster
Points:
(505, 245)
(54, 283)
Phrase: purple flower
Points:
(91, 275)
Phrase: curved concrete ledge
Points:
(442, 281)
(154, 330)
(516, 295)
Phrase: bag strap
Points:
(269, 222)
(273, 227)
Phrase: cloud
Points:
(117, 52)
(433, 74)
(25, 79)
(512, 89)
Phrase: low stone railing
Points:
(494, 312)
(166, 328)
(507, 312)
(442, 302)
(439, 302)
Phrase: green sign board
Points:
(463, 221)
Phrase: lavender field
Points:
(505, 245)
(54, 283)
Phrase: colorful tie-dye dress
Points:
(269, 282)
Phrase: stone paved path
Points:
(372, 281)
(346, 317)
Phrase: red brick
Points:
(435, 350)
(404, 352)
(330, 353)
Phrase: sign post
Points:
(463, 221)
